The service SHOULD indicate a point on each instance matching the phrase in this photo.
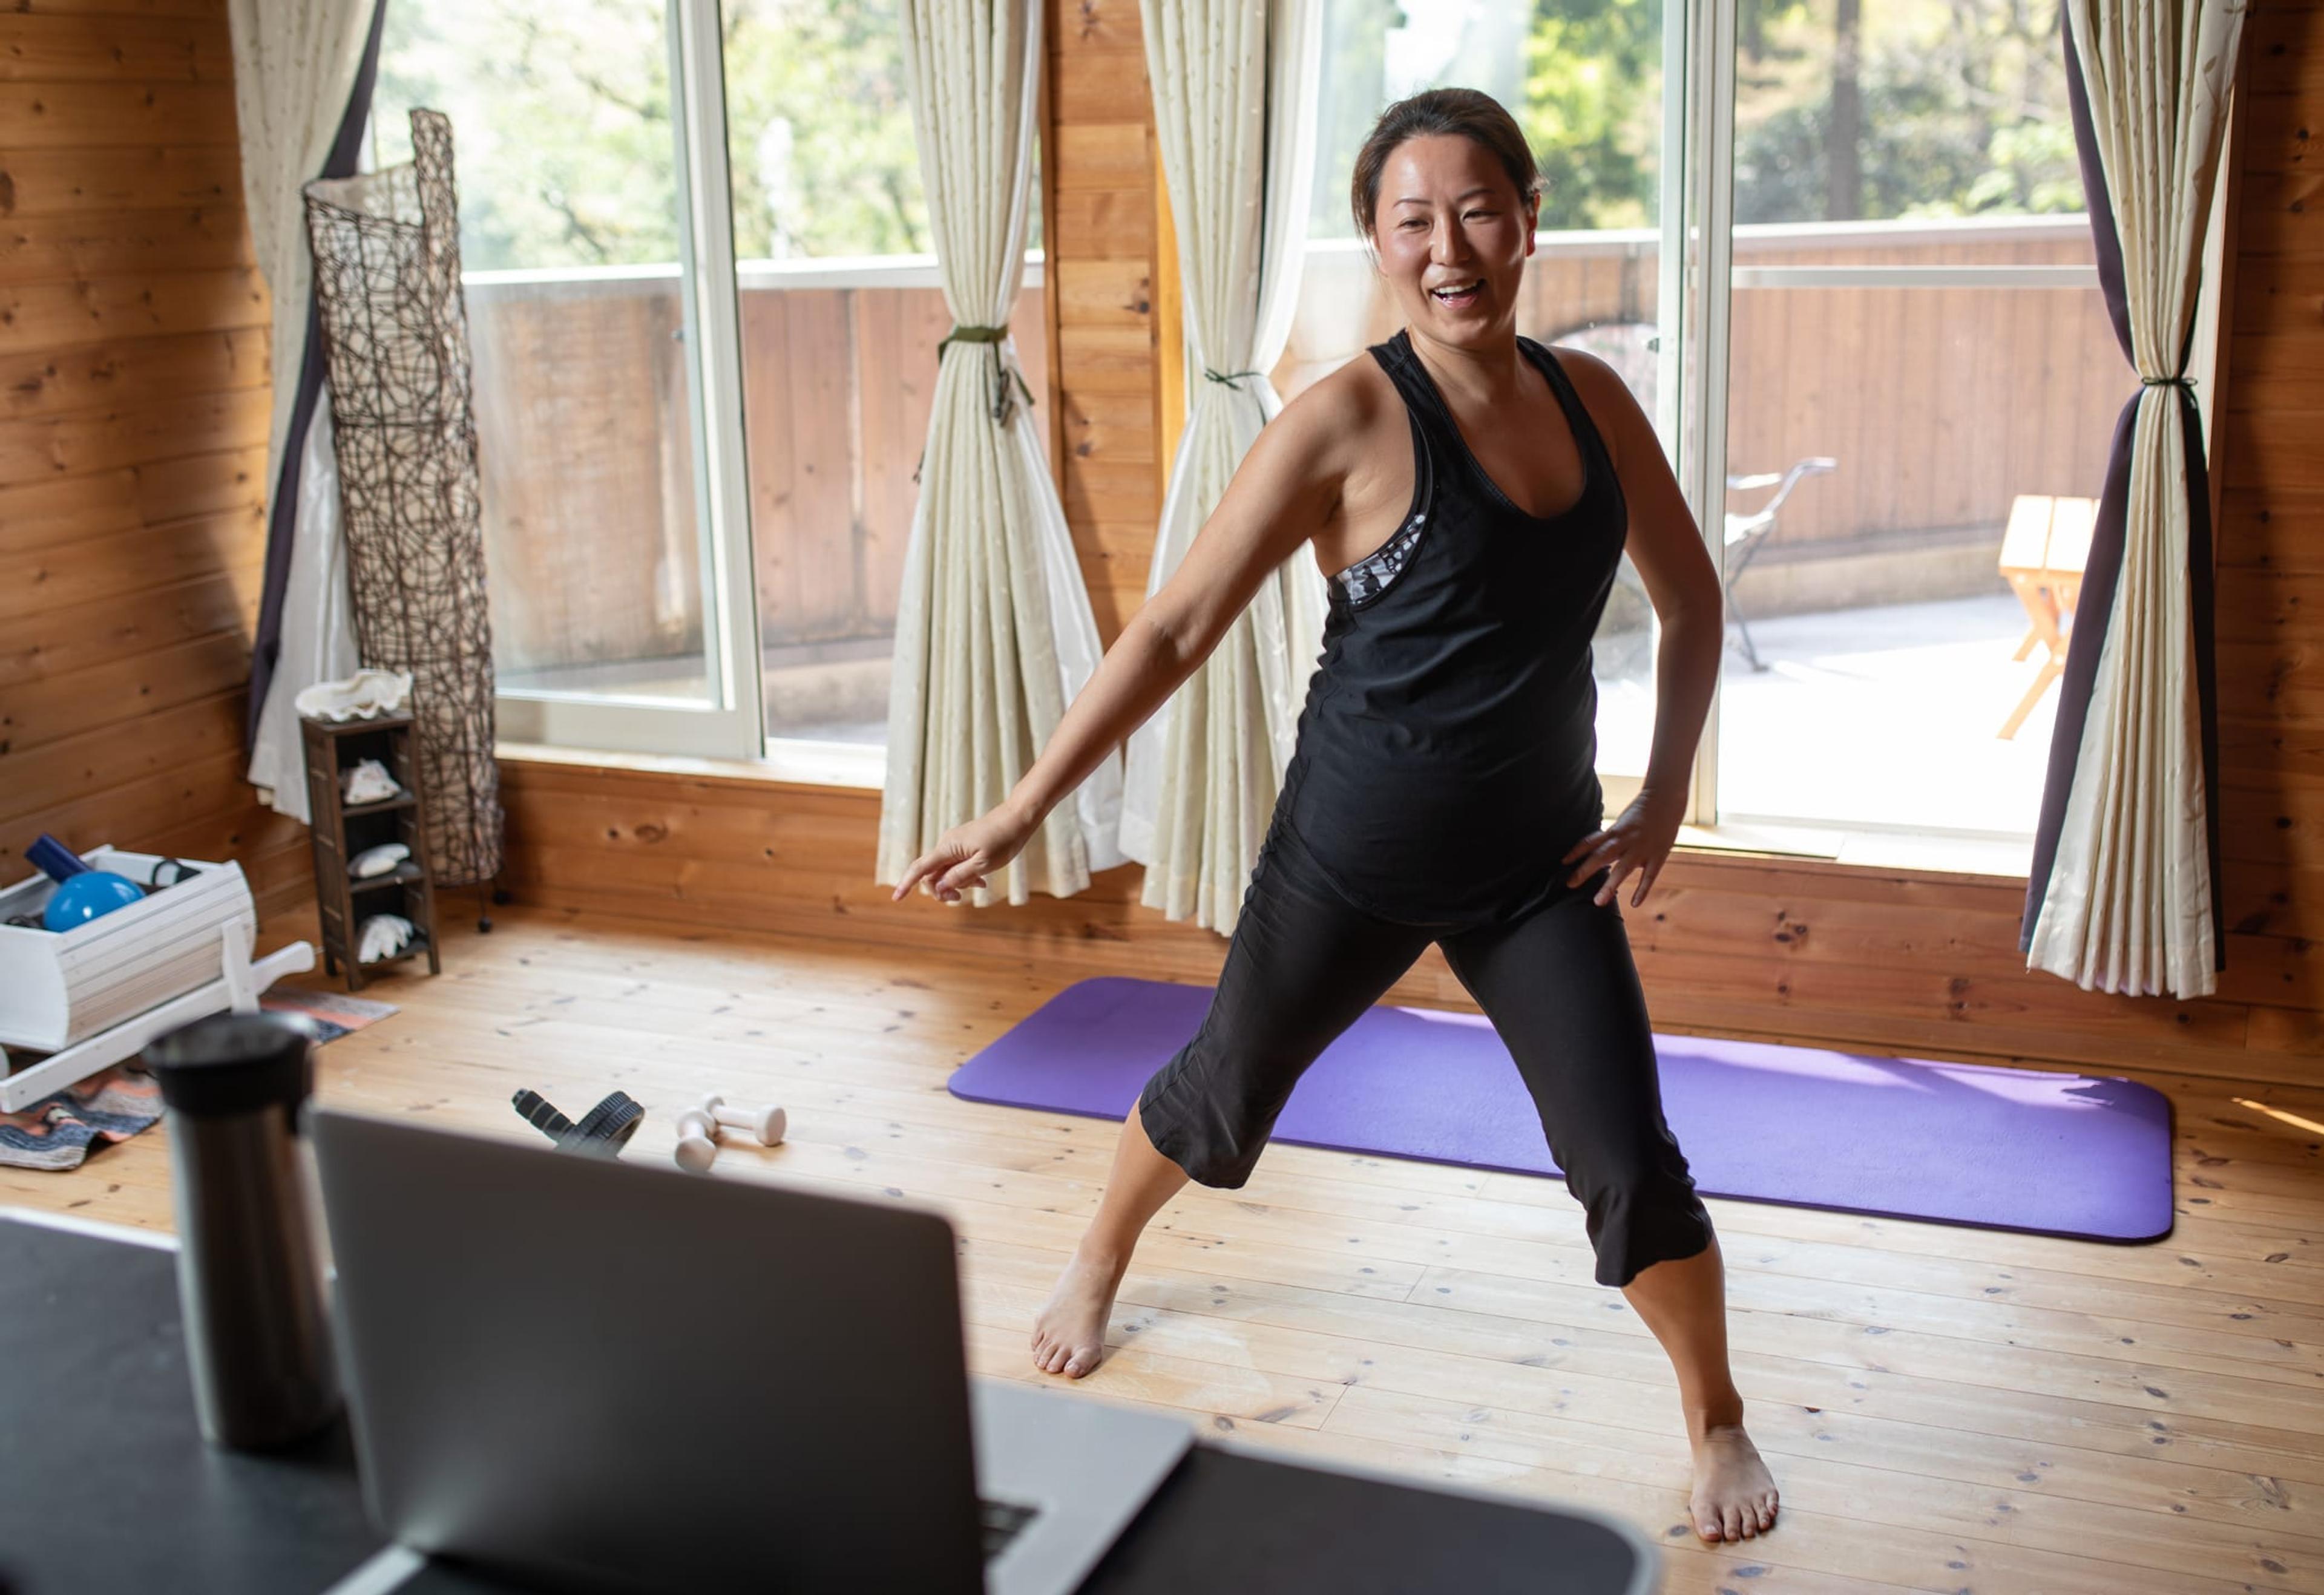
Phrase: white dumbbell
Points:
(764, 1125)
(697, 1141)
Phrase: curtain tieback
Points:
(1003, 376)
(1232, 379)
(2166, 381)
(971, 335)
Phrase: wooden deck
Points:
(1945, 1409)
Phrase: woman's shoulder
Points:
(1325, 435)
(1344, 403)
(1326, 446)
(1602, 392)
(1585, 370)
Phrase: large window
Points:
(573, 241)
(1837, 249)
(705, 312)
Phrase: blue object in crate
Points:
(82, 893)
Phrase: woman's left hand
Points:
(1640, 840)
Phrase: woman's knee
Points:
(1204, 1143)
(1640, 1203)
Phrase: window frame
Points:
(730, 723)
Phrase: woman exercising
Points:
(1472, 495)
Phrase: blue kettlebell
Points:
(82, 894)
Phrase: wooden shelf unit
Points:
(341, 831)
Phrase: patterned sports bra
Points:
(1370, 577)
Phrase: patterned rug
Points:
(113, 1104)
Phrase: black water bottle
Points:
(249, 1269)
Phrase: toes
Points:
(1732, 1519)
(1080, 1363)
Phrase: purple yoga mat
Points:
(2053, 1154)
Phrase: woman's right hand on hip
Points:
(968, 854)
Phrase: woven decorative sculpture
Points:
(395, 340)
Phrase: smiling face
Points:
(1448, 218)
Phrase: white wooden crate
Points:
(92, 995)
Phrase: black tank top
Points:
(1446, 759)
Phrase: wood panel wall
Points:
(1917, 963)
(2271, 540)
(1103, 172)
(133, 403)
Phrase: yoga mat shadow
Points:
(2079, 1155)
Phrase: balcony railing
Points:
(1942, 395)
(587, 443)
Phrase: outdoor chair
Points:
(2043, 552)
(1746, 533)
(1632, 348)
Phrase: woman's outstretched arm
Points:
(1277, 499)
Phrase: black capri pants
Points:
(1558, 984)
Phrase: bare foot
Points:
(1734, 1496)
(1069, 1334)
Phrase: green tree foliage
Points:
(561, 115)
(1958, 106)
(560, 124)
(1350, 93)
(1963, 112)
(561, 121)
(820, 130)
(1593, 110)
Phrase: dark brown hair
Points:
(1466, 112)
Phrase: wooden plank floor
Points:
(1944, 1408)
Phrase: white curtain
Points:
(294, 65)
(317, 638)
(1234, 106)
(994, 634)
(2128, 906)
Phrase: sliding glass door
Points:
(1919, 389)
(597, 251)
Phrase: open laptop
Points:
(608, 1374)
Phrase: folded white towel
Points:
(366, 781)
(363, 696)
(377, 861)
(382, 934)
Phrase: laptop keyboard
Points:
(1002, 1521)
